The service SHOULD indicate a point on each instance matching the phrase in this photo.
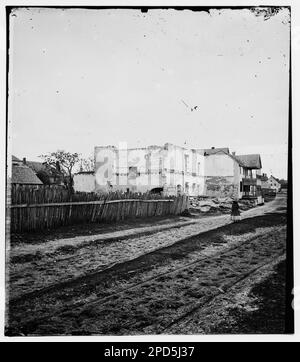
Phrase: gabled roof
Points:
(249, 161)
(15, 159)
(274, 178)
(24, 175)
(212, 151)
(40, 166)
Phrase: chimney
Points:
(24, 160)
(233, 153)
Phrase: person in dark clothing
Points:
(235, 212)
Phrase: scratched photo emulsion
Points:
(148, 183)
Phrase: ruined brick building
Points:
(169, 168)
(174, 170)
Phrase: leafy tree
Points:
(66, 163)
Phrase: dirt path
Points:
(39, 266)
(158, 305)
(149, 293)
(51, 246)
(254, 305)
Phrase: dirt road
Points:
(151, 279)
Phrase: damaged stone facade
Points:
(221, 176)
(221, 187)
(171, 169)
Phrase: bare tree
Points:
(65, 162)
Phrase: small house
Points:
(22, 174)
(274, 183)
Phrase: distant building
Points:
(22, 174)
(250, 175)
(48, 175)
(274, 183)
(283, 184)
(264, 181)
(169, 168)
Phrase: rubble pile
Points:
(217, 204)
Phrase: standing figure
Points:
(235, 212)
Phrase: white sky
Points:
(81, 78)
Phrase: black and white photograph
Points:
(149, 184)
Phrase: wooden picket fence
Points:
(45, 207)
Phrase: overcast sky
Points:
(84, 78)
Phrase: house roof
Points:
(40, 166)
(24, 175)
(15, 159)
(35, 165)
(249, 161)
(212, 151)
(274, 178)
